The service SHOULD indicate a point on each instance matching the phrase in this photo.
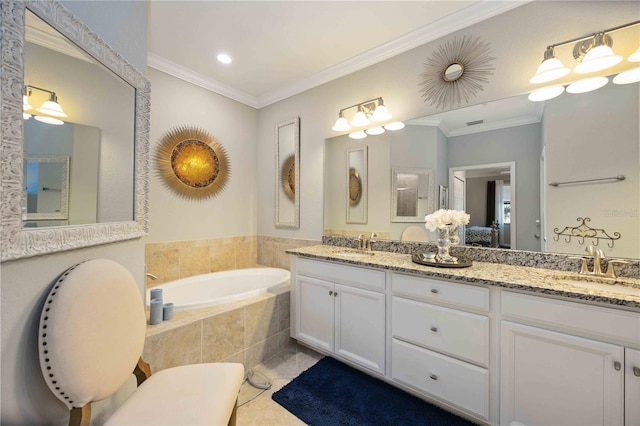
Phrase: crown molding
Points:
(183, 73)
(473, 14)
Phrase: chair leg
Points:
(80, 416)
(234, 413)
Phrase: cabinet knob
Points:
(335, 294)
(434, 290)
(617, 365)
(636, 371)
(434, 329)
(330, 293)
(433, 377)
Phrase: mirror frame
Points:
(18, 242)
(295, 122)
(394, 194)
(363, 176)
(63, 214)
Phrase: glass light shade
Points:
(341, 125)
(380, 114)
(549, 70)
(635, 56)
(627, 77)
(360, 119)
(597, 59)
(48, 120)
(375, 131)
(587, 85)
(545, 93)
(26, 116)
(358, 135)
(25, 103)
(52, 108)
(396, 125)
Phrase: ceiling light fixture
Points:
(372, 110)
(224, 58)
(594, 53)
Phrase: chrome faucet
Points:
(150, 275)
(371, 241)
(362, 242)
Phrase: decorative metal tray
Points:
(428, 259)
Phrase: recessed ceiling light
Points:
(224, 58)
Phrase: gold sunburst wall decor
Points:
(456, 71)
(192, 162)
(288, 177)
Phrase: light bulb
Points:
(396, 125)
(341, 125)
(358, 135)
(587, 85)
(545, 93)
(360, 119)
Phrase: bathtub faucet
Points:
(150, 275)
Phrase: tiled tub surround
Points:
(534, 259)
(247, 331)
(173, 260)
(530, 279)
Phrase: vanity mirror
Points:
(105, 99)
(287, 173)
(569, 138)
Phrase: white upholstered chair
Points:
(415, 233)
(91, 337)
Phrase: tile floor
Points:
(280, 370)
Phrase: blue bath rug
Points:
(332, 393)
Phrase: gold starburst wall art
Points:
(192, 163)
(456, 71)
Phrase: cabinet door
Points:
(360, 326)
(315, 312)
(632, 387)
(551, 378)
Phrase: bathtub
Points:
(221, 287)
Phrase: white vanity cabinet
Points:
(564, 363)
(440, 340)
(340, 309)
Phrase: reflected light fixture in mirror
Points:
(50, 107)
(594, 53)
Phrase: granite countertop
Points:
(621, 293)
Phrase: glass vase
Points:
(444, 243)
(454, 236)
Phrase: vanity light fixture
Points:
(50, 107)
(369, 111)
(594, 53)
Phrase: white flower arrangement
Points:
(442, 218)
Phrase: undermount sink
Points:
(611, 285)
(355, 254)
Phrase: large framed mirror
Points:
(287, 174)
(411, 194)
(49, 55)
(357, 187)
(528, 146)
(47, 188)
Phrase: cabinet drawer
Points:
(450, 380)
(358, 277)
(431, 290)
(461, 334)
(588, 320)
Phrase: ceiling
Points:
(280, 48)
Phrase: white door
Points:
(551, 378)
(360, 326)
(315, 312)
(632, 387)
